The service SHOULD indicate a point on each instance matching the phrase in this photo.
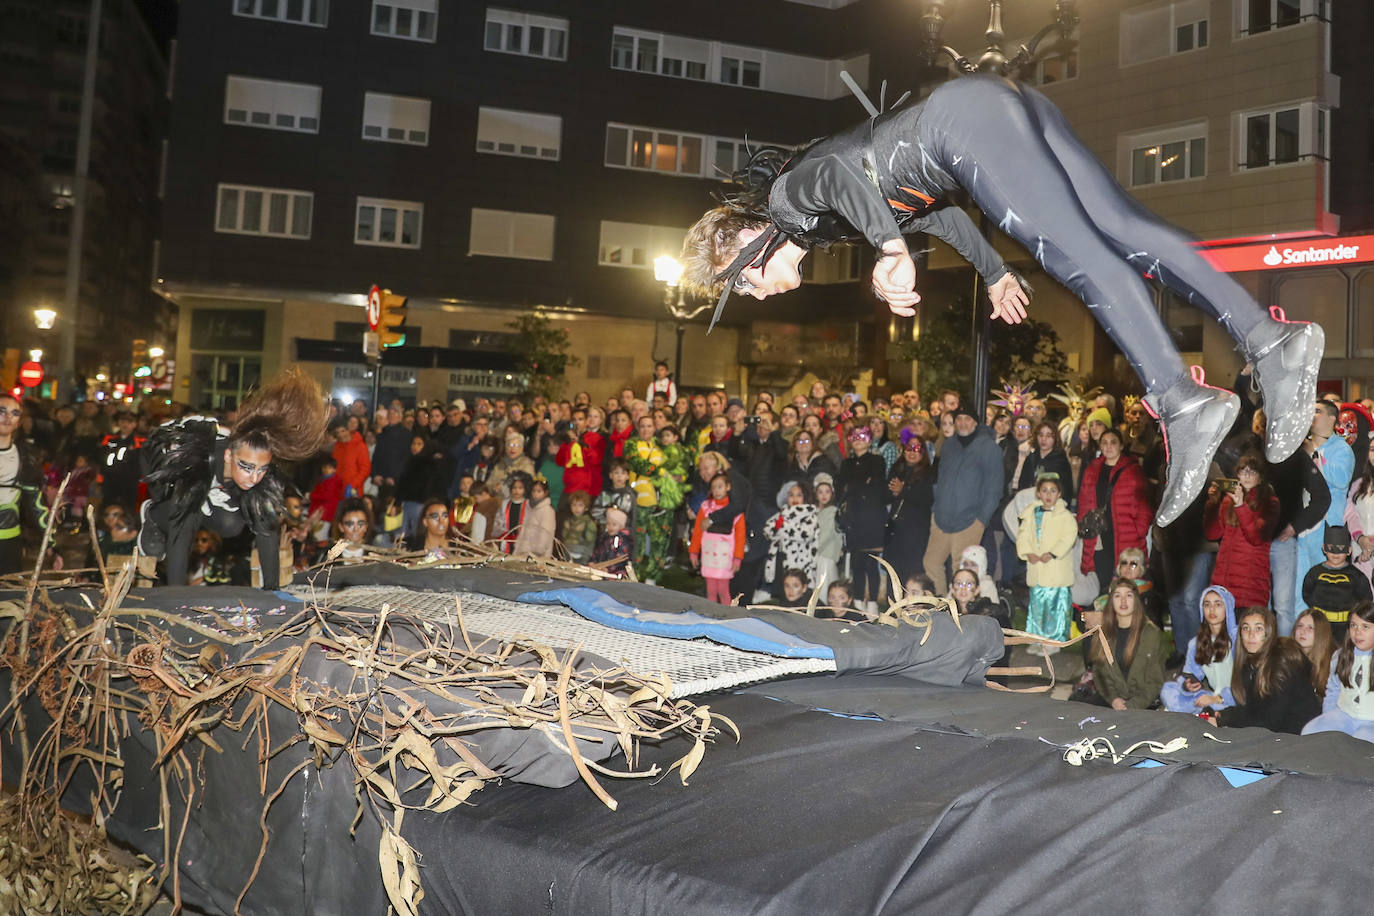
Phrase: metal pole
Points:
(376, 382)
(66, 359)
(677, 360)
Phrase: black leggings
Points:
(868, 575)
(1029, 172)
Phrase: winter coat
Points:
(1130, 511)
(829, 541)
(502, 470)
(1243, 557)
(1058, 529)
(418, 481)
(969, 487)
(1056, 462)
(1140, 687)
(793, 543)
(1287, 709)
(355, 465)
(392, 454)
(861, 491)
(820, 464)
(582, 471)
(536, 534)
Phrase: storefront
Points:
(1328, 280)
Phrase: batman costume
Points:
(1012, 151)
(189, 488)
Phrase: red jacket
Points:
(1243, 557)
(587, 477)
(617, 441)
(354, 462)
(326, 496)
(1132, 513)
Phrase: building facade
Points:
(1245, 122)
(482, 160)
(42, 62)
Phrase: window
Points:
(738, 72)
(264, 211)
(395, 223)
(1263, 15)
(1158, 31)
(1057, 67)
(731, 156)
(303, 12)
(654, 150)
(1284, 135)
(635, 244)
(395, 119)
(668, 55)
(414, 19)
(1168, 155)
(526, 33)
(507, 234)
(518, 133)
(271, 104)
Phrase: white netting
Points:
(695, 665)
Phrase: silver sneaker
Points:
(1285, 357)
(1194, 419)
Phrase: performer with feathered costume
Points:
(1011, 149)
(202, 475)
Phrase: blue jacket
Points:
(1190, 665)
(969, 484)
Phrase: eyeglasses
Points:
(803, 440)
(1130, 563)
(1332, 548)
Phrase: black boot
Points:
(1285, 357)
(1194, 419)
(152, 540)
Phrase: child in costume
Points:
(579, 528)
(1209, 660)
(829, 540)
(1349, 706)
(510, 518)
(536, 535)
(327, 494)
(1334, 585)
(614, 543)
(1045, 542)
(718, 539)
(791, 532)
(202, 475)
(619, 494)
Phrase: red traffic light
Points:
(30, 374)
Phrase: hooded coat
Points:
(1058, 529)
(1215, 675)
(1245, 532)
(1131, 513)
(792, 536)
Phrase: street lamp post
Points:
(669, 272)
(994, 60)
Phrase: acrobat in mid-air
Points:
(201, 475)
(1011, 149)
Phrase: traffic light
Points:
(391, 326)
(141, 362)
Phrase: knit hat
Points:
(823, 478)
(1101, 415)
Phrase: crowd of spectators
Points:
(1259, 597)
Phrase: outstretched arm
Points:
(953, 226)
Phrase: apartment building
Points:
(484, 160)
(42, 62)
(1249, 124)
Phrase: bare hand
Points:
(1009, 300)
(1046, 557)
(696, 561)
(1192, 684)
(894, 279)
(1119, 704)
(1237, 495)
(1032, 558)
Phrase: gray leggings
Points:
(1033, 177)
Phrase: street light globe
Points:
(667, 270)
(155, 352)
(45, 318)
(36, 355)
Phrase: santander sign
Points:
(1352, 249)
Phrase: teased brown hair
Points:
(711, 244)
(287, 417)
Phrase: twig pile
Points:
(415, 690)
